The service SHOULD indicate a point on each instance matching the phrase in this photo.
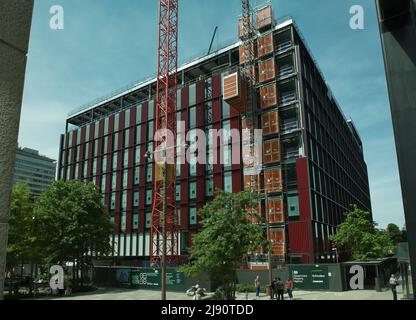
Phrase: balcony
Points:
(289, 126)
(287, 98)
(291, 154)
(283, 46)
(285, 71)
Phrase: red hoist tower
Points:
(165, 230)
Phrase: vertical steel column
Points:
(164, 229)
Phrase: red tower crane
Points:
(164, 230)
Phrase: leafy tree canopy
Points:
(360, 235)
(21, 239)
(72, 222)
(228, 235)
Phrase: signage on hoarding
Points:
(151, 278)
(310, 277)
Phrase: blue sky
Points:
(107, 44)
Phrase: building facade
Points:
(313, 164)
(36, 171)
(398, 39)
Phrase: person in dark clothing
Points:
(273, 289)
(280, 286)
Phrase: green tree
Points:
(72, 223)
(21, 241)
(225, 240)
(395, 234)
(361, 237)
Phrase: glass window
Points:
(126, 158)
(192, 169)
(150, 129)
(105, 145)
(114, 182)
(113, 201)
(124, 200)
(209, 167)
(96, 129)
(70, 138)
(148, 219)
(209, 187)
(136, 199)
(78, 153)
(127, 119)
(293, 205)
(226, 127)
(123, 222)
(69, 160)
(85, 169)
(228, 182)
(116, 122)
(87, 151)
(87, 132)
(149, 197)
(179, 99)
(115, 142)
(178, 167)
(95, 148)
(103, 183)
(135, 221)
(149, 173)
(137, 175)
(137, 155)
(192, 190)
(125, 179)
(139, 114)
(138, 134)
(76, 171)
(94, 167)
(104, 164)
(192, 216)
(115, 160)
(225, 110)
(106, 125)
(192, 117)
(126, 138)
(178, 192)
(79, 136)
(227, 156)
(151, 109)
(192, 94)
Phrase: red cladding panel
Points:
(184, 217)
(298, 237)
(200, 187)
(145, 111)
(216, 86)
(303, 188)
(237, 184)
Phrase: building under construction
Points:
(313, 164)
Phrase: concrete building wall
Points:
(398, 35)
(15, 22)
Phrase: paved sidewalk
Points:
(131, 294)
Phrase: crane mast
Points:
(164, 223)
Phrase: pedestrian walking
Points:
(393, 286)
(289, 288)
(257, 286)
(273, 289)
(280, 286)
